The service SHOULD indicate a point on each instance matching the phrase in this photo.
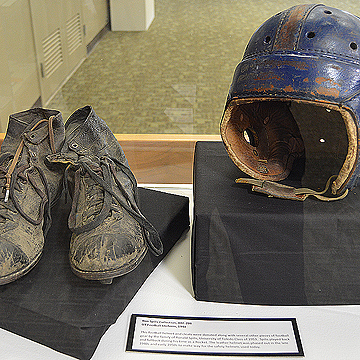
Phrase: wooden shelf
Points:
(160, 158)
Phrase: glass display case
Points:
(161, 91)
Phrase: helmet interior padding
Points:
(266, 137)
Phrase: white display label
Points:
(213, 336)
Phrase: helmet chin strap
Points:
(273, 189)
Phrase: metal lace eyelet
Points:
(74, 145)
(267, 40)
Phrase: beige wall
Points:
(23, 29)
(19, 85)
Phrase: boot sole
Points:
(106, 277)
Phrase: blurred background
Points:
(169, 77)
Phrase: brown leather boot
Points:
(29, 186)
(110, 235)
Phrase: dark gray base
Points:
(249, 248)
(52, 306)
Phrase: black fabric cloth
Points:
(52, 306)
(253, 249)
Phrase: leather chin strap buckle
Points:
(273, 189)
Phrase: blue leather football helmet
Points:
(294, 103)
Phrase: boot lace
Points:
(102, 194)
(98, 201)
(13, 175)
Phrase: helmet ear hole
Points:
(251, 137)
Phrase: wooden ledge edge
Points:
(160, 158)
(167, 137)
(158, 137)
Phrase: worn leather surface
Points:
(110, 234)
(308, 52)
(34, 185)
(273, 140)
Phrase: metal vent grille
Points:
(53, 55)
(73, 33)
